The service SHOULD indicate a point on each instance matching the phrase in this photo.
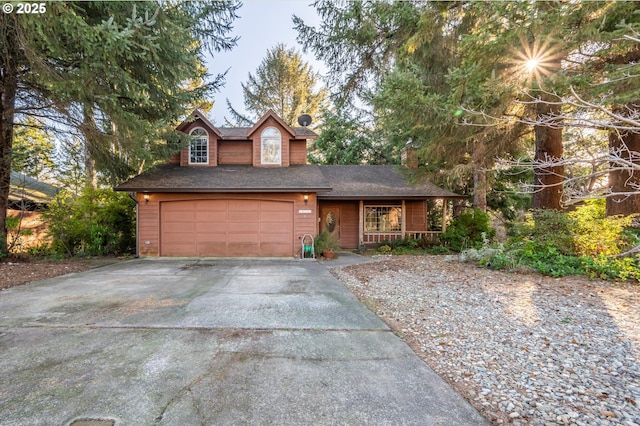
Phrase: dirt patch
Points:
(18, 271)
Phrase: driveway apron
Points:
(209, 341)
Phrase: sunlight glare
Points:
(532, 64)
(538, 59)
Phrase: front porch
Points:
(365, 223)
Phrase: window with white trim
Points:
(199, 147)
(382, 219)
(271, 146)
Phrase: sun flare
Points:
(537, 60)
(532, 64)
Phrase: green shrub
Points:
(384, 249)
(606, 267)
(469, 230)
(98, 222)
(545, 228)
(594, 233)
(586, 231)
(324, 241)
(582, 242)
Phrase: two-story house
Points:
(250, 192)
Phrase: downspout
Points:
(135, 198)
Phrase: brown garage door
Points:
(226, 228)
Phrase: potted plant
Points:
(326, 245)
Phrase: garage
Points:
(226, 228)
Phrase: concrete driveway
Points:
(210, 341)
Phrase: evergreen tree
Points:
(33, 151)
(284, 83)
(116, 73)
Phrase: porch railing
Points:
(377, 237)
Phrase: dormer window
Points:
(271, 146)
(199, 148)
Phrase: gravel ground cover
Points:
(524, 349)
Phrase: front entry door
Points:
(330, 221)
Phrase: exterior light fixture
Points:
(146, 197)
(305, 197)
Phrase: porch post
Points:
(360, 224)
(444, 214)
(403, 219)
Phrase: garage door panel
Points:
(243, 228)
(211, 217)
(275, 217)
(207, 237)
(243, 249)
(276, 249)
(274, 228)
(244, 238)
(186, 249)
(179, 237)
(209, 205)
(226, 228)
(244, 216)
(178, 216)
(211, 228)
(235, 205)
(208, 247)
(276, 237)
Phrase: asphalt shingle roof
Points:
(371, 182)
(243, 132)
(26, 188)
(331, 182)
(173, 178)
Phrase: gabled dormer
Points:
(271, 142)
(271, 138)
(203, 148)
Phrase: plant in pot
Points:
(326, 245)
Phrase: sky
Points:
(261, 25)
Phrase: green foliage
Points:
(116, 74)
(546, 228)
(582, 242)
(594, 233)
(15, 232)
(605, 267)
(284, 83)
(344, 140)
(325, 241)
(586, 231)
(384, 249)
(411, 246)
(98, 222)
(469, 230)
(33, 150)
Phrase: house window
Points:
(382, 219)
(271, 146)
(199, 148)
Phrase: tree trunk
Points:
(479, 177)
(548, 178)
(9, 81)
(91, 175)
(626, 181)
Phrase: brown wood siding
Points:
(257, 141)
(348, 221)
(271, 220)
(148, 225)
(416, 216)
(236, 152)
(298, 153)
